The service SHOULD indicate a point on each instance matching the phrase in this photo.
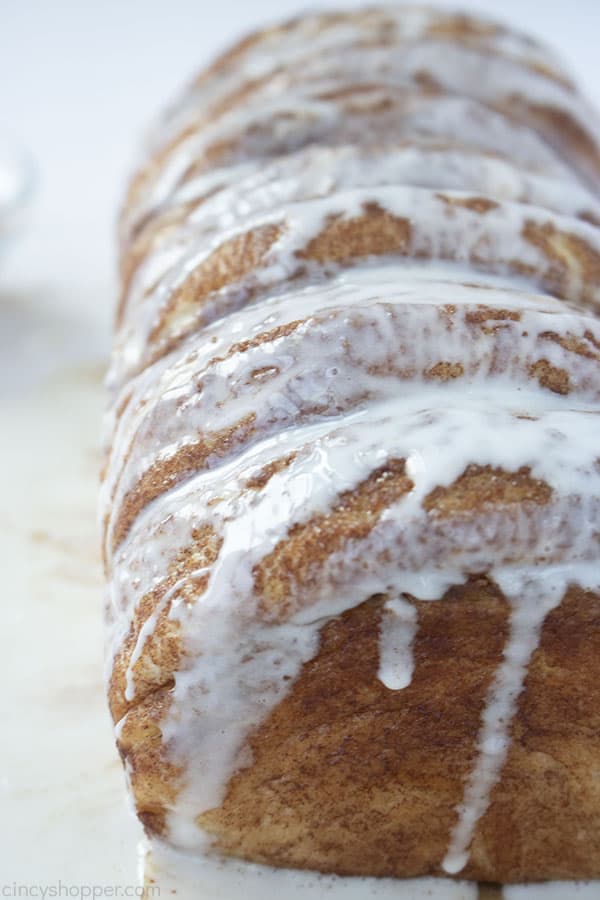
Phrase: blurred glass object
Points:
(17, 180)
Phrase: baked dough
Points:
(351, 502)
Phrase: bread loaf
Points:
(351, 502)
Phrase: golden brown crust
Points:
(352, 778)
(349, 777)
(570, 256)
(481, 486)
(552, 377)
(544, 820)
(306, 545)
(157, 664)
(356, 779)
(163, 475)
(229, 263)
(153, 778)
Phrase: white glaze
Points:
(514, 59)
(317, 170)
(398, 629)
(440, 229)
(215, 878)
(237, 192)
(315, 33)
(409, 323)
(340, 377)
(489, 78)
(206, 729)
(303, 121)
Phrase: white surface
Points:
(210, 879)
(78, 81)
(63, 808)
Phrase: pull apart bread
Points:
(351, 503)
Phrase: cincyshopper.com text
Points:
(77, 891)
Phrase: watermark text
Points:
(62, 889)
